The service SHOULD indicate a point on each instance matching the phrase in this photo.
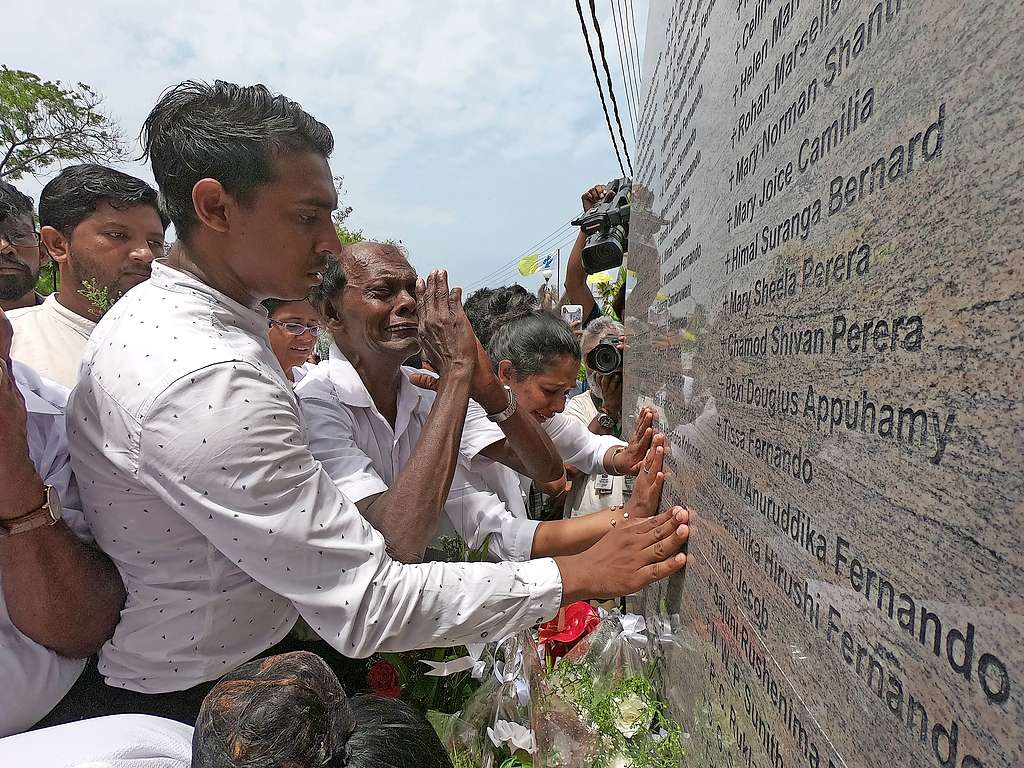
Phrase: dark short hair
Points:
(272, 305)
(291, 710)
(488, 308)
(532, 341)
(70, 197)
(227, 132)
(13, 202)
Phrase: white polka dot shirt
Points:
(197, 480)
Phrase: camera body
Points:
(606, 226)
(606, 356)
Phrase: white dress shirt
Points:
(50, 339)
(197, 480)
(364, 455)
(115, 741)
(586, 496)
(33, 679)
(576, 444)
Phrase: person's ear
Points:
(505, 372)
(55, 245)
(329, 316)
(212, 204)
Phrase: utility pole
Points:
(558, 274)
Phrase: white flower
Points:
(631, 714)
(620, 761)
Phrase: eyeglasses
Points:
(25, 238)
(297, 329)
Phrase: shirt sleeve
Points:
(478, 432)
(479, 516)
(224, 447)
(578, 445)
(330, 431)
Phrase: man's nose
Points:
(142, 252)
(405, 304)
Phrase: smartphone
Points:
(572, 313)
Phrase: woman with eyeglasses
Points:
(293, 332)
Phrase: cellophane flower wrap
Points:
(493, 730)
(597, 705)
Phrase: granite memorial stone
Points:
(828, 240)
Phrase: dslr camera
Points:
(606, 356)
(606, 226)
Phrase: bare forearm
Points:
(527, 448)
(576, 289)
(60, 592)
(569, 537)
(406, 515)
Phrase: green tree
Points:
(44, 122)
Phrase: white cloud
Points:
(443, 113)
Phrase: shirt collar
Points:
(353, 392)
(252, 319)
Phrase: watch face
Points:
(53, 503)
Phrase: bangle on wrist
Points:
(625, 514)
(614, 469)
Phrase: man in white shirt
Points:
(193, 463)
(21, 258)
(103, 228)
(379, 436)
(60, 596)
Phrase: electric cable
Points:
(625, 74)
(608, 76)
(600, 91)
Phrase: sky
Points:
(467, 130)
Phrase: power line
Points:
(511, 271)
(600, 92)
(608, 76)
(513, 264)
(632, 54)
(626, 76)
(636, 45)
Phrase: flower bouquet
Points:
(492, 731)
(596, 705)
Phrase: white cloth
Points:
(584, 497)
(576, 444)
(115, 741)
(50, 339)
(33, 679)
(197, 480)
(363, 455)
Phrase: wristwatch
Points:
(607, 422)
(48, 514)
(497, 418)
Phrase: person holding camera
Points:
(576, 270)
(600, 409)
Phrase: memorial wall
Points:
(828, 240)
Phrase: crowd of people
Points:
(184, 481)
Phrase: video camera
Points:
(606, 226)
(606, 356)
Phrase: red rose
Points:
(578, 620)
(383, 680)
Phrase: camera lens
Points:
(604, 358)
